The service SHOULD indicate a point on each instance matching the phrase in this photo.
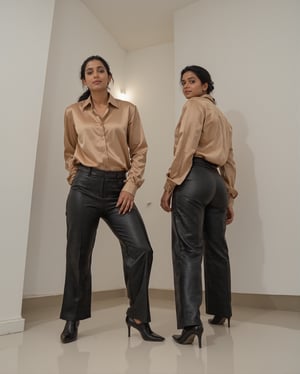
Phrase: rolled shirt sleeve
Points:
(138, 151)
(187, 136)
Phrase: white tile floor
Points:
(258, 342)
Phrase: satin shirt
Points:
(114, 142)
(202, 131)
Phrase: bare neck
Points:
(100, 98)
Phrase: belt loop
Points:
(90, 171)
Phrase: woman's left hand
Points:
(165, 201)
(125, 202)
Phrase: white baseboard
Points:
(12, 326)
(276, 302)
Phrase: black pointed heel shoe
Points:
(144, 329)
(70, 331)
(218, 320)
(188, 334)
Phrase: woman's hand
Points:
(125, 202)
(165, 201)
(230, 215)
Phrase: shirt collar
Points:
(113, 101)
(208, 97)
(86, 104)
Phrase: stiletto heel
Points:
(144, 329)
(128, 326)
(217, 320)
(188, 335)
(199, 339)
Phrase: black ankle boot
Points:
(144, 329)
(188, 334)
(70, 331)
(218, 320)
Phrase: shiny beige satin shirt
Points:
(202, 131)
(113, 142)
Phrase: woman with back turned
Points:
(105, 154)
(199, 191)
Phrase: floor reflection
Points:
(258, 342)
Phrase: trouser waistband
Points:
(102, 173)
(202, 161)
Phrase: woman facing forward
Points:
(199, 191)
(105, 154)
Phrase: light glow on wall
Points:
(123, 95)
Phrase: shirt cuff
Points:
(232, 194)
(130, 187)
(169, 186)
(71, 175)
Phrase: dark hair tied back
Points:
(202, 74)
(87, 93)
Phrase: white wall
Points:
(252, 52)
(25, 28)
(246, 47)
(149, 74)
(76, 35)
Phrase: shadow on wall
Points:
(245, 237)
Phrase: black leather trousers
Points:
(93, 195)
(199, 209)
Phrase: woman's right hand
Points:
(125, 202)
(165, 201)
(230, 215)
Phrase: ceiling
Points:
(137, 23)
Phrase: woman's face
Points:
(192, 86)
(96, 76)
